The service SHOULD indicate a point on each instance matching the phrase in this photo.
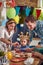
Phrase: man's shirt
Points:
(23, 28)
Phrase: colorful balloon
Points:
(11, 12)
(17, 18)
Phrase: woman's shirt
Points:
(4, 33)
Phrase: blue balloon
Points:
(27, 11)
(17, 10)
(4, 22)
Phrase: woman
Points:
(7, 32)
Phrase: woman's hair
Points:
(30, 18)
(10, 21)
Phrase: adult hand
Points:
(36, 54)
(38, 46)
(29, 49)
(15, 44)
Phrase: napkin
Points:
(29, 61)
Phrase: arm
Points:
(2, 36)
(5, 41)
(37, 54)
(39, 30)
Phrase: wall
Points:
(32, 3)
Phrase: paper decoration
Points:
(38, 13)
(11, 12)
(34, 13)
(11, 3)
(3, 13)
(32, 9)
(17, 10)
(0, 4)
(27, 11)
(41, 15)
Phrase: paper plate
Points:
(17, 59)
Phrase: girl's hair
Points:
(30, 18)
(10, 21)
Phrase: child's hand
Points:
(17, 50)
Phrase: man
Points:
(32, 27)
(35, 27)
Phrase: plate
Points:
(17, 59)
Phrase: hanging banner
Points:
(38, 13)
(0, 4)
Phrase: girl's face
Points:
(24, 42)
(11, 26)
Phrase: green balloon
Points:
(11, 12)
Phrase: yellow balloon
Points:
(17, 18)
(9, 55)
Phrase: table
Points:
(36, 62)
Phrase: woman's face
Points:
(11, 26)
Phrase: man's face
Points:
(31, 25)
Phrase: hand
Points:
(17, 50)
(36, 54)
(29, 43)
(29, 49)
(15, 44)
(38, 46)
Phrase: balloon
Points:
(4, 22)
(28, 11)
(11, 12)
(17, 18)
